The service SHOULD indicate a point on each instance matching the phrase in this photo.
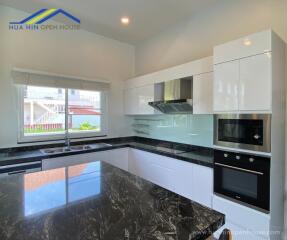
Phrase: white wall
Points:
(77, 53)
(196, 37)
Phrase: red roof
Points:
(83, 110)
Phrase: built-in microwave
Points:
(243, 131)
(242, 177)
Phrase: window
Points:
(43, 114)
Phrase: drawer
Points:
(242, 216)
(238, 233)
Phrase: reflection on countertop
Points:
(51, 189)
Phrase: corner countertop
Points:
(100, 202)
(197, 155)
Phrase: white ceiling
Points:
(148, 17)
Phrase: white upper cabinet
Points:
(255, 83)
(226, 80)
(139, 91)
(243, 75)
(196, 67)
(145, 95)
(130, 101)
(203, 93)
(243, 47)
(136, 100)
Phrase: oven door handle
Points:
(240, 169)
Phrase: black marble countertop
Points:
(100, 202)
(194, 154)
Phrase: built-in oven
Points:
(243, 131)
(242, 177)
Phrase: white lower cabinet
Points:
(186, 179)
(163, 171)
(244, 222)
(202, 187)
(183, 182)
(139, 163)
(155, 168)
(238, 233)
(116, 157)
(52, 163)
(194, 182)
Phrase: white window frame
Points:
(60, 136)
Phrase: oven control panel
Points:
(240, 159)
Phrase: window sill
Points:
(59, 138)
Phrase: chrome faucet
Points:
(67, 141)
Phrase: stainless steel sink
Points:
(74, 148)
(55, 150)
(81, 147)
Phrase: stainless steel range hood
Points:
(174, 97)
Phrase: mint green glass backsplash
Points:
(186, 128)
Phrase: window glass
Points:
(44, 111)
(84, 111)
(240, 182)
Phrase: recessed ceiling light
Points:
(125, 20)
(247, 42)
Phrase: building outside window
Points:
(44, 112)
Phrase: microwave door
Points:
(250, 132)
